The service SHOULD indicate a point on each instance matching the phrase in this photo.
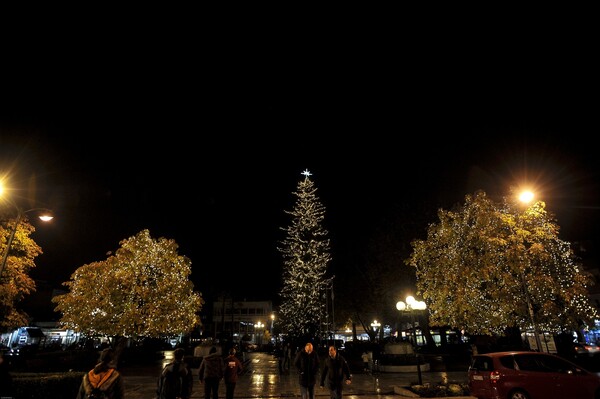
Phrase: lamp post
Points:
(410, 306)
(272, 320)
(526, 197)
(44, 216)
(260, 327)
(375, 326)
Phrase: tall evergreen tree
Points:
(306, 254)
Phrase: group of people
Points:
(213, 368)
(175, 380)
(284, 355)
(335, 370)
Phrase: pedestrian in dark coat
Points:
(336, 370)
(233, 368)
(307, 364)
(175, 380)
(210, 373)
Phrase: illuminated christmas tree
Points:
(488, 266)
(143, 290)
(305, 252)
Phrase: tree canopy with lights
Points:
(15, 282)
(306, 255)
(143, 290)
(488, 266)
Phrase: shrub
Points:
(53, 385)
(440, 390)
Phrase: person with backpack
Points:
(233, 368)
(103, 381)
(211, 372)
(175, 380)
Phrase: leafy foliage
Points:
(483, 264)
(15, 282)
(305, 252)
(442, 389)
(142, 291)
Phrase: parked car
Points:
(530, 375)
(584, 349)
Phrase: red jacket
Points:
(233, 368)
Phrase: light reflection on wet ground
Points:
(261, 379)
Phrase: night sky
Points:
(207, 148)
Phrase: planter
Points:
(409, 368)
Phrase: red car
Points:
(530, 375)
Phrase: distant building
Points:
(234, 319)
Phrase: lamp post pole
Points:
(13, 231)
(375, 326)
(410, 306)
(526, 197)
(259, 334)
(272, 320)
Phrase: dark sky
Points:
(205, 142)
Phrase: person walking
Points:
(233, 368)
(104, 377)
(335, 369)
(365, 359)
(211, 373)
(175, 380)
(307, 364)
(279, 356)
(287, 357)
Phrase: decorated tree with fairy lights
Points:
(305, 252)
(143, 290)
(488, 266)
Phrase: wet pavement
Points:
(261, 379)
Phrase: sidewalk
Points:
(262, 380)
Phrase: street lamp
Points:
(410, 306)
(526, 197)
(260, 326)
(375, 326)
(45, 215)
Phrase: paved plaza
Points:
(261, 379)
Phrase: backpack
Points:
(96, 393)
(171, 381)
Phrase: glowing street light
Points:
(526, 197)
(375, 326)
(260, 326)
(410, 306)
(45, 215)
